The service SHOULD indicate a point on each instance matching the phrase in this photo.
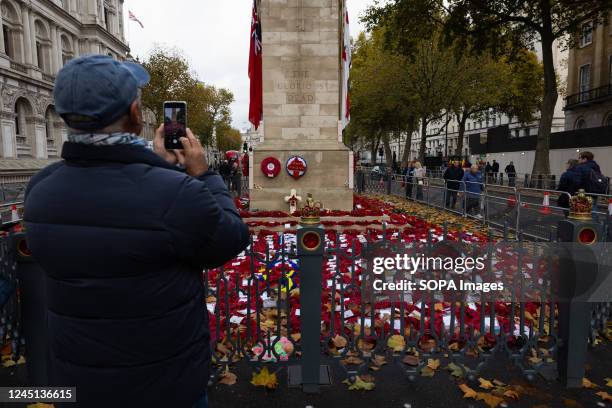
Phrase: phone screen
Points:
(175, 124)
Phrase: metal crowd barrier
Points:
(521, 208)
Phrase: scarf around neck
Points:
(107, 139)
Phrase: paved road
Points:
(393, 390)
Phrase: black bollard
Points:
(311, 245)
(33, 291)
(577, 274)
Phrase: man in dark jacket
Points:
(511, 173)
(495, 170)
(123, 236)
(453, 176)
(586, 164)
(569, 182)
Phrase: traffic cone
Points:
(14, 214)
(610, 207)
(545, 210)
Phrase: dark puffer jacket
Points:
(123, 238)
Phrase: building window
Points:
(22, 111)
(517, 133)
(67, 53)
(43, 47)
(584, 81)
(608, 120)
(586, 34)
(107, 21)
(580, 124)
(8, 49)
(11, 28)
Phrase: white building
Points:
(37, 38)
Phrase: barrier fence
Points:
(522, 209)
(292, 303)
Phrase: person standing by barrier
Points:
(419, 177)
(570, 182)
(409, 179)
(495, 170)
(510, 171)
(453, 176)
(123, 234)
(472, 186)
(592, 180)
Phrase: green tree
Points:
(229, 139)
(493, 25)
(208, 107)
(379, 108)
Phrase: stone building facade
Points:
(37, 38)
(589, 83)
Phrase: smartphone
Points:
(175, 123)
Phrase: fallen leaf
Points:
(40, 405)
(427, 372)
(228, 378)
(11, 363)
(396, 343)
(608, 382)
(570, 403)
(498, 383)
(296, 337)
(359, 384)
(455, 370)
(467, 391)
(604, 396)
(339, 341)
(265, 379)
(433, 364)
(511, 394)
(485, 384)
(586, 383)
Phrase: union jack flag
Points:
(134, 18)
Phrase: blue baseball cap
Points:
(94, 91)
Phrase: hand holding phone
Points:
(175, 124)
(193, 156)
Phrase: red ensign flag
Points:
(255, 70)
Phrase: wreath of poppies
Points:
(271, 167)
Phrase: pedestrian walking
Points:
(419, 176)
(495, 170)
(510, 171)
(570, 182)
(453, 176)
(472, 187)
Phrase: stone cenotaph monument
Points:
(302, 43)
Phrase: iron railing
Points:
(590, 96)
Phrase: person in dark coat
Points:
(570, 182)
(510, 171)
(453, 176)
(487, 171)
(586, 163)
(409, 173)
(495, 170)
(123, 234)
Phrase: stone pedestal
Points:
(302, 92)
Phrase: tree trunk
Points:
(423, 140)
(387, 149)
(541, 163)
(375, 144)
(462, 119)
(406, 152)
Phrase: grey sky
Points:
(214, 34)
